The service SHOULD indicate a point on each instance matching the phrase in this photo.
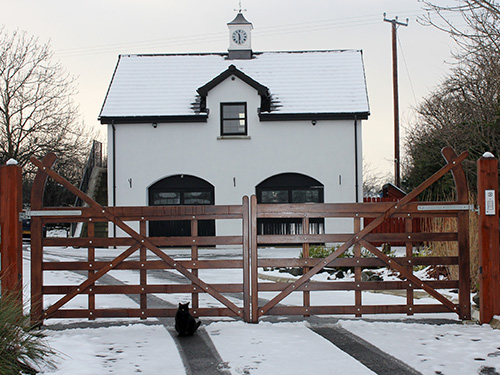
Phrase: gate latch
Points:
(28, 214)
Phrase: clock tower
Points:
(240, 36)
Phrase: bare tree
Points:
(373, 181)
(463, 112)
(37, 112)
(473, 24)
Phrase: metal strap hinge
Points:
(452, 207)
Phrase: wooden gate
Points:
(136, 243)
(361, 237)
(146, 254)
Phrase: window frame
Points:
(223, 119)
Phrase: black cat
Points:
(185, 324)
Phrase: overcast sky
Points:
(87, 37)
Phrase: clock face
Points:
(239, 36)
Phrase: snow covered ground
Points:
(285, 347)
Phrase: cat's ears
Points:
(183, 304)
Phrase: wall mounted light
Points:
(314, 122)
(155, 125)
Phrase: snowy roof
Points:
(317, 82)
(239, 20)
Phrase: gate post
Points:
(11, 242)
(489, 247)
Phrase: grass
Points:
(22, 348)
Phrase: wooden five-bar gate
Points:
(250, 298)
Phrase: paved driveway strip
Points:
(369, 355)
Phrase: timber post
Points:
(11, 242)
(489, 247)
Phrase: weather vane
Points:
(240, 8)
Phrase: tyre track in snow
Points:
(369, 355)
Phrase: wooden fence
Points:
(394, 224)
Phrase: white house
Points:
(209, 128)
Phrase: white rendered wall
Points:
(145, 155)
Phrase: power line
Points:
(327, 24)
(407, 71)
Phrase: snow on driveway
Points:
(279, 348)
(435, 349)
(131, 349)
(267, 348)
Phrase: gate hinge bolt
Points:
(24, 215)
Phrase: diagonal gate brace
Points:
(141, 241)
(409, 275)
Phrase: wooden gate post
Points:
(11, 242)
(489, 247)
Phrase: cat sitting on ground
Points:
(185, 324)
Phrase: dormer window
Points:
(234, 119)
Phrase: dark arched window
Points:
(289, 188)
(181, 190)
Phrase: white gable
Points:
(299, 82)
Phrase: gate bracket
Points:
(446, 207)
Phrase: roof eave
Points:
(105, 120)
(313, 116)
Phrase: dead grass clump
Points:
(447, 225)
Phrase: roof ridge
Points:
(225, 53)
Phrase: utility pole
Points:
(397, 162)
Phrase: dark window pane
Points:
(234, 127)
(194, 197)
(230, 111)
(170, 228)
(180, 228)
(275, 196)
(305, 196)
(166, 198)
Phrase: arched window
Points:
(289, 188)
(181, 190)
